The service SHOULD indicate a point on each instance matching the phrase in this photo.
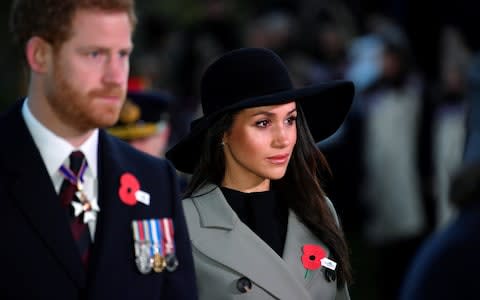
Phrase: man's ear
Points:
(38, 52)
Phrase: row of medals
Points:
(157, 262)
(145, 263)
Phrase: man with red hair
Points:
(84, 215)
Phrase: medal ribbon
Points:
(148, 239)
(149, 232)
(70, 176)
(167, 241)
(156, 232)
(136, 237)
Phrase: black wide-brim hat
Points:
(251, 77)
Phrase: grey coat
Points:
(225, 250)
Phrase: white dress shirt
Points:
(55, 151)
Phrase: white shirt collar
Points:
(54, 149)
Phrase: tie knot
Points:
(76, 159)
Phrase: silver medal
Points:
(171, 262)
(143, 260)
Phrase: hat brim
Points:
(325, 107)
(130, 132)
(156, 97)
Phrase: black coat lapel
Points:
(33, 192)
(112, 253)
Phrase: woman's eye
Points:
(262, 123)
(291, 120)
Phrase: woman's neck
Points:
(246, 187)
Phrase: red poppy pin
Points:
(129, 190)
(312, 256)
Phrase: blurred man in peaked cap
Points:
(144, 118)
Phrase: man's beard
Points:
(77, 109)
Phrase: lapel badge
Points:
(315, 256)
(129, 190)
(153, 245)
(330, 266)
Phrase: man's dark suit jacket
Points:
(38, 258)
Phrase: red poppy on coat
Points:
(312, 255)
(129, 185)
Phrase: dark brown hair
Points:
(300, 186)
(52, 19)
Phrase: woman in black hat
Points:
(259, 221)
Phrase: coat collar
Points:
(251, 253)
(214, 213)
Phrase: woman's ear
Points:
(38, 53)
(224, 140)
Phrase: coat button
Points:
(244, 285)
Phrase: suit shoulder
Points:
(331, 207)
(135, 155)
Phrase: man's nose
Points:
(116, 71)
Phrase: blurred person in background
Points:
(395, 187)
(195, 46)
(449, 127)
(472, 147)
(144, 119)
(446, 266)
(273, 29)
(454, 248)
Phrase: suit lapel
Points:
(239, 248)
(112, 253)
(298, 236)
(34, 194)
